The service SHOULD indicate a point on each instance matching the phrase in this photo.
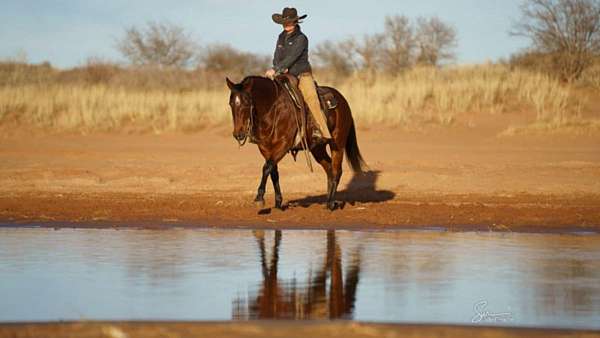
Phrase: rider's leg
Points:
(309, 91)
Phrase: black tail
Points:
(353, 153)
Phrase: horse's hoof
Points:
(279, 205)
(332, 205)
(259, 203)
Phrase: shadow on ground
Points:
(361, 188)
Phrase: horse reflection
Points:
(326, 295)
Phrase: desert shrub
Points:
(158, 44)
(16, 73)
(564, 34)
(224, 59)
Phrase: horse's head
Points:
(241, 105)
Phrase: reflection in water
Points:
(393, 276)
(166, 252)
(293, 299)
(566, 281)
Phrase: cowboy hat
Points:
(288, 15)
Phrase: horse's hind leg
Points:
(320, 154)
(275, 180)
(336, 171)
(266, 171)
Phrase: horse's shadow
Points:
(361, 188)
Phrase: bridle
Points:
(249, 125)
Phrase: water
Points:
(434, 277)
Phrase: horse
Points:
(263, 110)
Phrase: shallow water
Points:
(435, 277)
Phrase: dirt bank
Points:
(270, 329)
(457, 178)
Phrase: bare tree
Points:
(399, 44)
(226, 59)
(338, 57)
(568, 30)
(158, 44)
(436, 41)
(369, 52)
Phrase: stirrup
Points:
(318, 139)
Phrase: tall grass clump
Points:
(105, 108)
(433, 95)
(105, 97)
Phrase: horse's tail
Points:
(353, 153)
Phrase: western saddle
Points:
(326, 98)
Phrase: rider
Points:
(291, 56)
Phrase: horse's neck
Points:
(265, 94)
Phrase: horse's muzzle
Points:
(239, 136)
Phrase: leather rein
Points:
(249, 126)
(250, 123)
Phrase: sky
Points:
(68, 32)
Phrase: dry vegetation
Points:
(104, 108)
(108, 98)
(102, 97)
(433, 95)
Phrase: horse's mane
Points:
(254, 79)
(251, 77)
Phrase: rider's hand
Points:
(270, 73)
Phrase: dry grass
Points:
(591, 77)
(574, 126)
(105, 108)
(418, 97)
(430, 95)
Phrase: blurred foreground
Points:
(269, 329)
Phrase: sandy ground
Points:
(457, 178)
(270, 329)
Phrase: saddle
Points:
(326, 99)
(326, 96)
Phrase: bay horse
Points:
(263, 110)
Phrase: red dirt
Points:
(455, 178)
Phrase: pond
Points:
(540, 280)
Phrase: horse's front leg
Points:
(266, 171)
(275, 180)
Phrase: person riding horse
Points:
(264, 111)
(291, 56)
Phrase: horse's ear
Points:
(247, 84)
(229, 83)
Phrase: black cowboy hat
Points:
(289, 14)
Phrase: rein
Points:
(249, 126)
(299, 123)
(250, 123)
